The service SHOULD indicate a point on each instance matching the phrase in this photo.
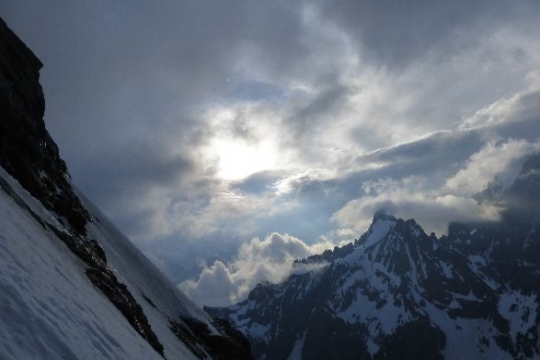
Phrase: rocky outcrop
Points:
(30, 155)
(27, 151)
(198, 337)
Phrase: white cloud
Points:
(519, 107)
(435, 204)
(409, 198)
(497, 162)
(270, 259)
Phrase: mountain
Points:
(398, 293)
(71, 285)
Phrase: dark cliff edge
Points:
(29, 155)
(27, 151)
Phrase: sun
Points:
(239, 159)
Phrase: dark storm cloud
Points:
(255, 90)
(424, 155)
(396, 33)
(131, 48)
(329, 99)
(131, 171)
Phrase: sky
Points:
(227, 138)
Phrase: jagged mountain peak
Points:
(382, 214)
(397, 292)
(384, 224)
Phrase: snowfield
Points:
(49, 309)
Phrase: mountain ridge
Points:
(397, 292)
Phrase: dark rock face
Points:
(398, 293)
(119, 295)
(29, 154)
(200, 340)
(27, 151)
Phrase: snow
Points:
(447, 269)
(454, 304)
(464, 336)
(351, 279)
(296, 353)
(50, 310)
(377, 231)
(381, 320)
(520, 310)
(384, 318)
(469, 297)
(143, 278)
(478, 262)
(256, 331)
(416, 230)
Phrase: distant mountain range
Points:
(398, 293)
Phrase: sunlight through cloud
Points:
(238, 160)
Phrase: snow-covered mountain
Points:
(71, 285)
(398, 293)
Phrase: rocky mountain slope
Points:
(398, 293)
(71, 285)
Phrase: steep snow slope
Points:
(160, 299)
(48, 307)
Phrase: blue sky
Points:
(257, 132)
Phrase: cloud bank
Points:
(197, 126)
(270, 259)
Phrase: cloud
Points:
(397, 34)
(405, 199)
(507, 114)
(431, 199)
(270, 259)
(434, 177)
(258, 183)
(197, 126)
(495, 162)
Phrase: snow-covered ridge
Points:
(397, 292)
(381, 225)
